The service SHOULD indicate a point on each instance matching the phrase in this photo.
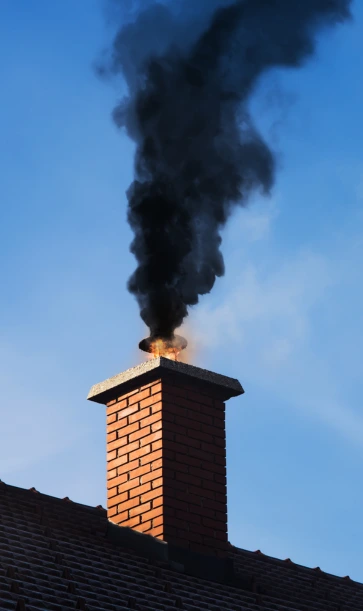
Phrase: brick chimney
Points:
(166, 452)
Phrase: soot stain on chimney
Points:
(190, 74)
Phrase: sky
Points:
(286, 319)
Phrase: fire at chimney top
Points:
(169, 348)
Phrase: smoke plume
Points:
(190, 72)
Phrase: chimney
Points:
(166, 452)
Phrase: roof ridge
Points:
(288, 563)
(66, 500)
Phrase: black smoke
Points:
(191, 67)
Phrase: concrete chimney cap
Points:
(101, 393)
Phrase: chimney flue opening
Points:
(167, 347)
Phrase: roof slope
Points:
(56, 555)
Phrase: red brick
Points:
(140, 433)
(144, 509)
(157, 445)
(201, 417)
(116, 444)
(129, 466)
(152, 475)
(213, 486)
(112, 492)
(168, 454)
(111, 436)
(180, 401)
(201, 436)
(121, 486)
(117, 462)
(204, 512)
(140, 453)
(150, 456)
(177, 505)
(195, 537)
(150, 400)
(217, 506)
(153, 513)
(111, 418)
(157, 407)
(175, 428)
(215, 542)
(204, 474)
(116, 481)
(222, 496)
(221, 443)
(112, 511)
(181, 486)
(128, 394)
(145, 469)
(201, 398)
(119, 498)
(111, 454)
(157, 464)
(174, 391)
(191, 499)
(214, 524)
(187, 441)
(132, 522)
(115, 407)
(176, 465)
(156, 426)
(196, 453)
(220, 479)
(209, 494)
(220, 423)
(220, 460)
(157, 532)
(123, 479)
(157, 482)
(209, 447)
(129, 485)
(157, 502)
(140, 489)
(156, 388)
(111, 473)
(151, 420)
(150, 438)
(139, 415)
(158, 521)
(127, 448)
(130, 504)
(149, 496)
(128, 411)
(139, 397)
(189, 479)
(188, 423)
(215, 431)
(122, 449)
(116, 426)
(145, 526)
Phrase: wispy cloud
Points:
(272, 318)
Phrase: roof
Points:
(56, 555)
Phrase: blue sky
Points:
(286, 319)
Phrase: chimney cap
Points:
(161, 367)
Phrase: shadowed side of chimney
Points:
(166, 452)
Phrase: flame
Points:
(161, 347)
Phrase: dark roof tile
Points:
(58, 555)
